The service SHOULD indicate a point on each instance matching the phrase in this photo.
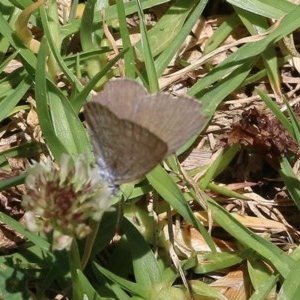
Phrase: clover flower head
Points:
(61, 200)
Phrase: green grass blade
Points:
(12, 99)
(56, 51)
(168, 189)
(219, 165)
(290, 289)
(145, 265)
(135, 288)
(61, 126)
(165, 30)
(276, 111)
(261, 277)
(81, 98)
(7, 183)
(27, 149)
(210, 262)
(164, 59)
(129, 59)
(149, 61)
(42, 99)
(269, 9)
(264, 289)
(294, 121)
(212, 97)
(221, 33)
(67, 126)
(276, 257)
(87, 290)
(89, 40)
(18, 227)
(242, 56)
(110, 14)
(290, 180)
(258, 25)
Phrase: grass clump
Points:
(189, 220)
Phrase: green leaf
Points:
(276, 257)
(61, 127)
(18, 227)
(267, 8)
(290, 288)
(146, 269)
(148, 56)
(290, 180)
(167, 188)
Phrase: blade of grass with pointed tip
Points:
(263, 291)
(27, 149)
(210, 262)
(136, 289)
(201, 290)
(225, 191)
(261, 276)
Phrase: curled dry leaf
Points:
(266, 136)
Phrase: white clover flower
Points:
(63, 199)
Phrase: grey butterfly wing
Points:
(125, 151)
(173, 119)
(120, 96)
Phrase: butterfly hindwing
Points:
(125, 151)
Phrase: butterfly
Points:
(132, 131)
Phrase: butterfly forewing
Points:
(125, 151)
(121, 97)
(173, 119)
